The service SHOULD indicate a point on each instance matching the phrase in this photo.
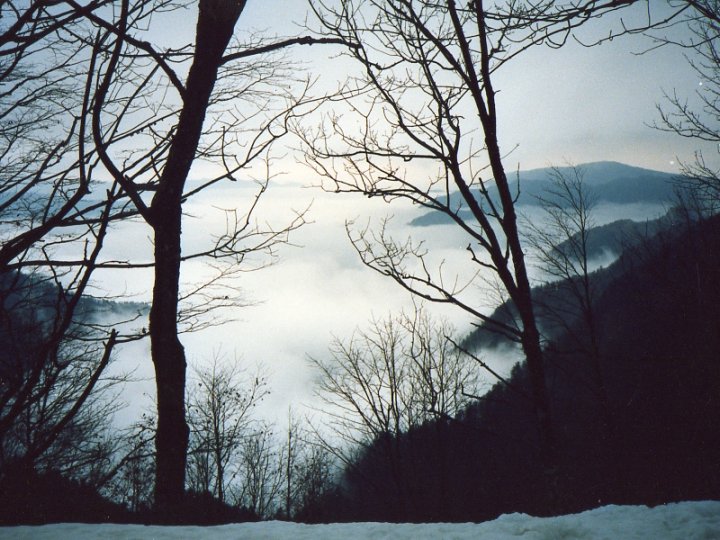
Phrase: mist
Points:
(315, 289)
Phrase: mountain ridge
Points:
(609, 182)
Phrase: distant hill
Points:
(610, 182)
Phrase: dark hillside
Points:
(30, 305)
(656, 442)
(53, 431)
(660, 330)
(613, 238)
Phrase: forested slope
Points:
(655, 440)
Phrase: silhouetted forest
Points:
(659, 318)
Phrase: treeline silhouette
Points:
(659, 319)
(29, 497)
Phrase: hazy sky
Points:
(575, 104)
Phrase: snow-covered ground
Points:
(681, 521)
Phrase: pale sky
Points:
(576, 103)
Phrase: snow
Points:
(685, 520)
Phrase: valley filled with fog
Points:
(317, 288)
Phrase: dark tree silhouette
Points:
(228, 113)
(53, 355)
(425, 129)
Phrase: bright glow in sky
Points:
(576, 103)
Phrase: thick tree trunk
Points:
(169, 358)
(521, 295)
(216, 21)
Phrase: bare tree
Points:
(137, 122)
(561, 242)
(132, 486)
(130, 481)
(701, 121)
(262, 478)
(313, 478)
(399, 374)
(46, 172)
(229, 109)
(53, 357)
(420, 123)
(306, 467)
(290, 453)
(396, 375)
(220, 406)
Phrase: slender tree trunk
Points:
(220, 468)
(521, 294)
(515, 277)
(534, 356)
(535, 362)
(216, 21)
(288, 471)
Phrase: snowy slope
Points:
(686, 521)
